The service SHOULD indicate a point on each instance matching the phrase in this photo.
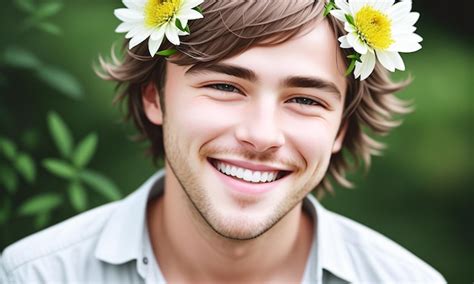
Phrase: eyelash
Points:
(218, 87)
(304, 101)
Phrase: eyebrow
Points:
(249, 75)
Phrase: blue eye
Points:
(224, 88)
(304, 101)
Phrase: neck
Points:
(188, 250)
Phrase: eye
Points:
(224, 88)
(304, 101)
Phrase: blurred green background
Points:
(63, 149)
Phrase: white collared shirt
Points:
(110, 244)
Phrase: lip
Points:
(244, 187)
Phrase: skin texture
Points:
(211, 115)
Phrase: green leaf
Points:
(30, 138)
(355, 56)
(179, 25)
(8, 148)
(199, 9)
(48, 9)
(60, 133)
(101, 184)
(8, 178)
(167, 52)
(25, 5)
(350, 19)
(5, 211)
(42, 219)
(26, 167)
(41, 203)
(60, 80)
(60, 168)
(351, 67)
(49, 28)
(85, 150)
(19, 57)
(328, 7)
(77, 196)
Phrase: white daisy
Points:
(378, 29)
(155, 19)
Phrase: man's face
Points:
(248, 138)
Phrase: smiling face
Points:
(249, 137)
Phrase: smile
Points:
(248, 174)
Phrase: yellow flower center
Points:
(159, 12)
(374, 27)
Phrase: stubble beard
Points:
(200, 204)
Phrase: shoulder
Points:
(76, 235)
(376, 257)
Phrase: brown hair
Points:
(231, 27)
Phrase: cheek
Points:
(313, 139)
(200, 118)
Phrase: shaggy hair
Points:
(231, 27)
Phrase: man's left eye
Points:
(224, 88)
(304, 101)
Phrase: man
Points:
(250, 115)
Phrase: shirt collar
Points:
(332, 254)
(122, 239)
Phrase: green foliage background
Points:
(419, 194)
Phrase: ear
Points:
(336, 147)
(151, 104)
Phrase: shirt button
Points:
(145, 260)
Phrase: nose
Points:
(260, 130)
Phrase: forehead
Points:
(314, 52)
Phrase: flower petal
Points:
(365, 68)
(344, 42)
(134, 4)
(154, 44)
(398, 61)
(135, 31)
(171, 32)
(343, 6)
(405, 47)
(408, 20)
(189, 4)
(189, 14)
(124, 27)
(128, 15)
(139, 38)
(356, 43)
(406, 43)
(339, 14)
(158, 33)
(349, 28)
(399, 10)
(355, 5)
(385, 58)
(383, 5)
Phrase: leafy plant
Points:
(37, 16)
(21, 164)
(72, 165)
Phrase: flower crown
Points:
(376, 29)
(155, 19)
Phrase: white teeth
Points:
(240, 173)
(246, 174)
(256, 177)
